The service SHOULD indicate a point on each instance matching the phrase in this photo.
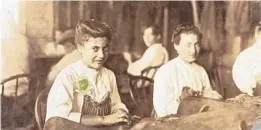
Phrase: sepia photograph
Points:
(130, 65)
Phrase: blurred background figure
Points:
(65, 39)
(62, 44)
(155, 55)
(247, 67)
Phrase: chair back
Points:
(141, 90)
(12, 78)
(40, 108)
(17, 108)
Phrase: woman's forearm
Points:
(92, 120)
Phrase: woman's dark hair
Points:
(91, 28)
(184, 28)
(155, 29)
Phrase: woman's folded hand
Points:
(119, 116)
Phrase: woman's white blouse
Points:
(65, 98)
(246, 67)
(170, 80)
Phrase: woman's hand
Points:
(188, 92)
(118, 117)
(197, 93)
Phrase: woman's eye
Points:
(95, 49)
(105, 48)
(197, 45)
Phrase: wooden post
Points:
(81, 9)
(195, 13)
(111, 4)
(56, 18)
(165, 26)
(69, 13)
(88, 9)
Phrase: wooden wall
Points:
(129, 19)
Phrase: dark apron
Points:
(90, 107)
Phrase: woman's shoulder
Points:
(70, 69)
(155, 47)
(168, 68)
(106, 71)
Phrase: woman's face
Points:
(189, 47)
(148, 37)
(95, 52)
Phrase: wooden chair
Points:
(40, 107)
(32, 86)
(142, 96)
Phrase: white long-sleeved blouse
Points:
(66, 98)
(171, 78)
